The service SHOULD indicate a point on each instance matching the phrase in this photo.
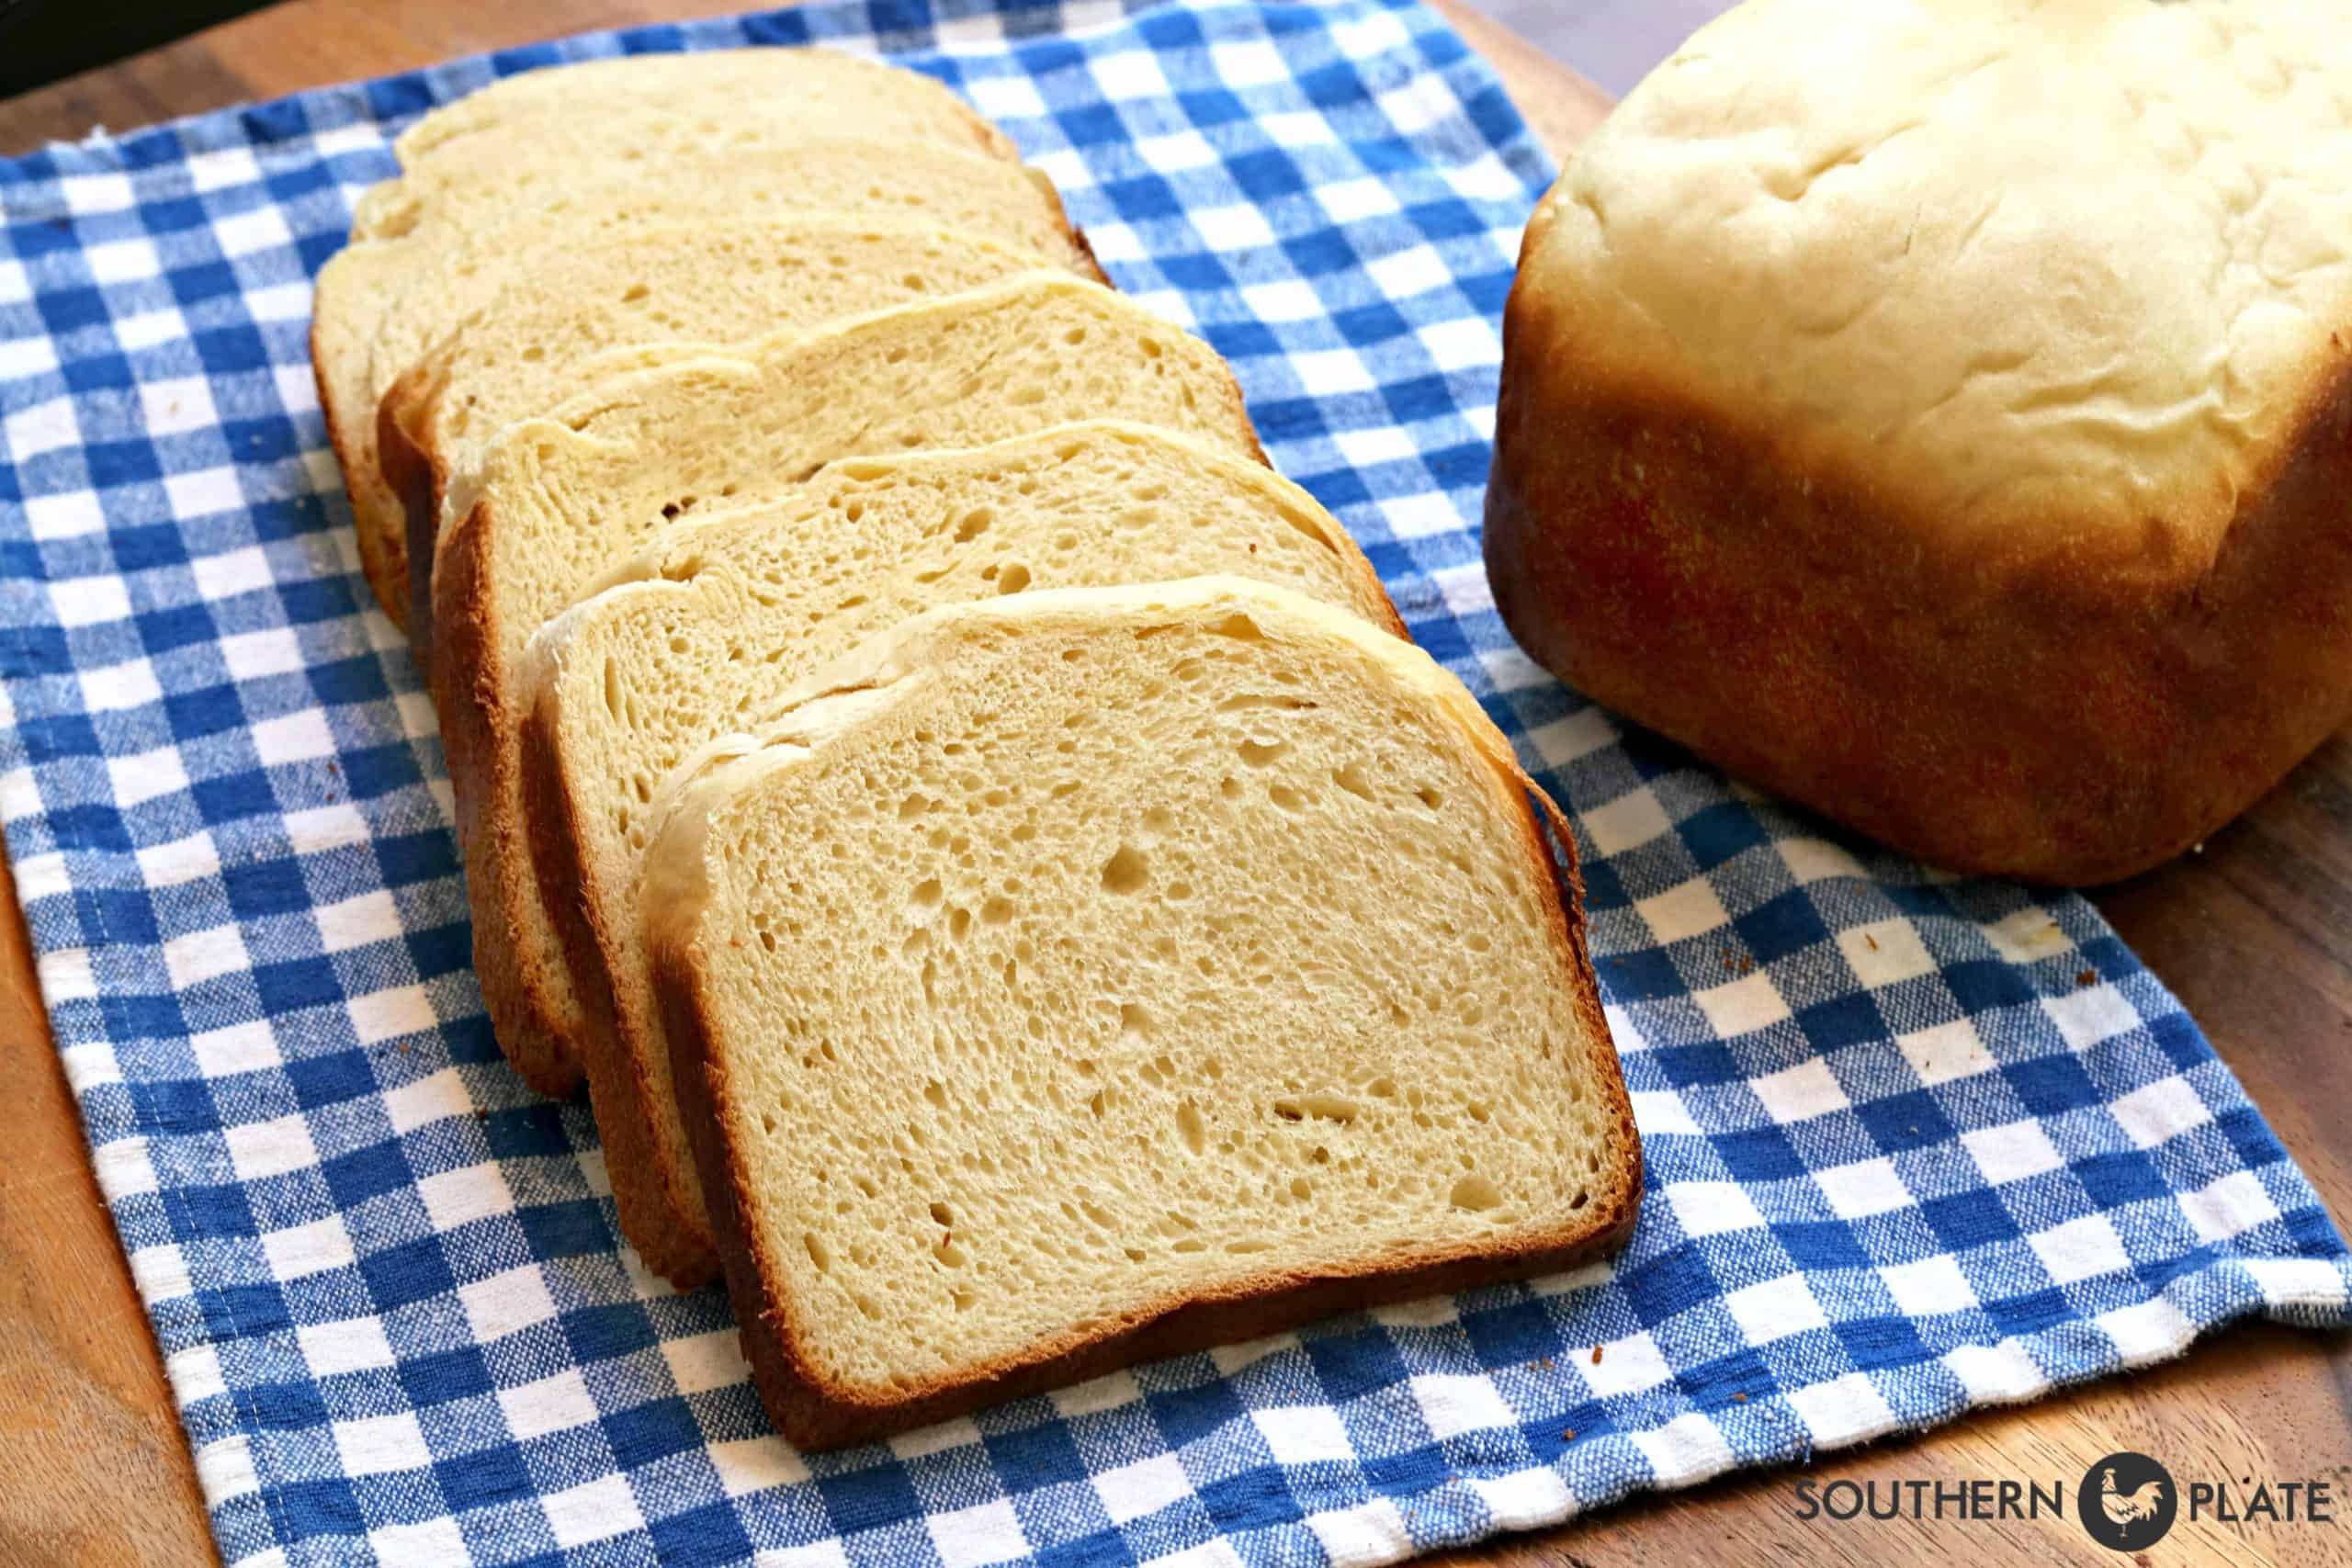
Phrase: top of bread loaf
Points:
(859, 95)
(2062, 281)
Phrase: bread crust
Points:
(404, 455)
(381, 561)
(813, 1415)
(469, 691)
(2058, 714)
(669, 1226)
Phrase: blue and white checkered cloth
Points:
(1914, 1145)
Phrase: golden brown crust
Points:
(380, 562)
(2057, 716)
(666, 1226)
(469, 692)
(812, 1415)
(403, 455)
(1089, 265)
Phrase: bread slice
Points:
(690, 287)
(833, 88)
(1095, 975)
(712, 623)
(422, 243)
(559, 498)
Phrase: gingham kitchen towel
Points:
(1914, 1145)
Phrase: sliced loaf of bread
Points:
(559, 498)
(707, 628)
(1094, 975)
(833, 88)
(690, 289)
(433, 245)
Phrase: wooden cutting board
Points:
(2255, 936)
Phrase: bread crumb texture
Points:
(2086, 263)
(1119, 960)
(715, 621)
(602, 472)
(691, 286)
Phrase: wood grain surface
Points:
(2255, 936)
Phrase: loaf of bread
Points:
(1103, 972)
(1002, 970)
(1942, 415)
(705, 630)
(665, 290)
(559, 498)
(420, 241)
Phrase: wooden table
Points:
(2255, 936)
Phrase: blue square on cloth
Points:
(1901, 1160)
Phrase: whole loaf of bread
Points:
(1940, 413)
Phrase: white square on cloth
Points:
(554, 1403)
(1775, 1309)
(1303, 1434)
(354, 1345)
(1802, 1090)
(1886, 952)
(593, 1511)
(1946, 1052)
(313, 1248)
(755, 1465)
(380, 1444)
(976, 1537)
(1687, 909)
(271, 1148)
(1864, 1188)
(1928, 1286)
(1454, 1403)
(1146, 1487)
(1712, 1208)
(2080, 1249)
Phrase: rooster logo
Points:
(2126, 1502)
(2122, 1508)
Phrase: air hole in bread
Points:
(1321, 1105)
(1191, 1129)
(1127, 871)
(1476, 1193)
